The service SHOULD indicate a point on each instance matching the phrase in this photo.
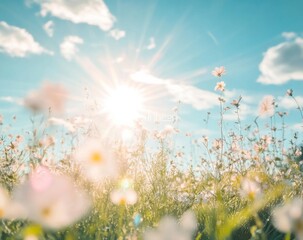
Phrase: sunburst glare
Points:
(124, 105)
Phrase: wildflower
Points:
(250, 189)
(298, 152)
(267, 106)
(47, 141)
(188, 221)
(4, 202)
(289, 92)
(1, 120)
(19, 139)
(204, 140)
(168, 130)
(289, 218)
(170, 229)
(124, 196)
(51, 200)
(234, 146)
(281, 114)
(266, 139)
(236, 103)
(220, 86)
(96, 160)
(218, 71)
(217, 144)
(49, 97)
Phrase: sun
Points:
(124, 105)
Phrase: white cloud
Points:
(17, 42)
(49, 28)
(152, 44)
(13, 100)
(244, 111)
(289, 35)
(117, 34)
(196, 97)
(297, 127)
(288, 103)
(282, 63)
(92, 12)
(144, 76)
(69, 47)
(61, 122)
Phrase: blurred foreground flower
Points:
(170, 229)
(51, 200)
(267, 106)
(124, 196)
(47, 141)
(218, 71)
(50, 97)
(289, 218)
(9, 209)
(250, 189)
(96, 160)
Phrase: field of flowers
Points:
(78, 184)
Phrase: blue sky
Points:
(176, 43)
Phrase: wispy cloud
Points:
(289, 35)
(297, 127)
(61, 122)
(117, 34)
(92, 12)
(13, 100)
(144, 76)
(69, 47)
(198, 98)
(49, 28)
(17, 42)
(188, 94)
(288, 103)
(212, 36)
(282, 63)
(244, 111)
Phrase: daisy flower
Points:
(51, 200)
(50, 96)
(124, 197)
(220, 86)
(96, 160)
(170, 228)
(219, 71)
(250, 189)
(9, 209)
(267, 106)
(289, 218)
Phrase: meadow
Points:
(245, 184)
